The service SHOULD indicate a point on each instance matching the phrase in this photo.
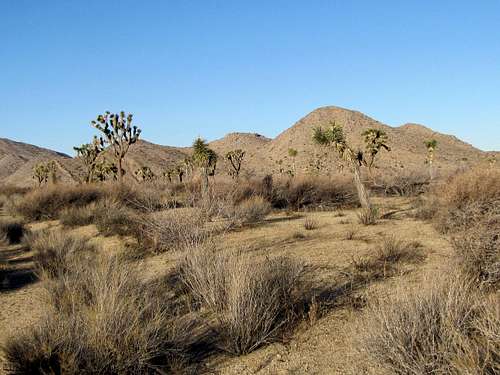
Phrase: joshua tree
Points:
(103, 170)
(42, 172)
(119, 134)
(206, 159)
(179, 171)
(431, 146)
(188, 165)
(89, 153)
(375, 140)
(168, 174)
(293, 154)
(235, 159)
(144, 174)
(334, 136)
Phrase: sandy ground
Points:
(320, 348)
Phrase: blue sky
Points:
(205, 68)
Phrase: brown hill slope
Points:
(264, 155)
(407, 141)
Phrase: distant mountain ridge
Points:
(265, 155)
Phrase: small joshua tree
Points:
(188, 165)
(334, 137)
(119, 134)
(168, 174)
(103, 170)
(206, 159)
(375, 140)
(40, 173)
(144, 174)
(293, 154)
(179, 171)
(235, 159)
(43, 172)
(89, 154)
(431, 146)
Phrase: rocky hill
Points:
(264, 155)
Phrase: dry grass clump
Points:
(468, 208)
(368, 216)
(298, 193)
(78, 216)
(49, 201)
(173, 229)
(114, 218)
(111, 323)
(54, 250)
(249, 211)
(12, 231)
(478, 250)
(447, 329)
(251, 300)
(310, 224)
(402, 184)
(387, 258)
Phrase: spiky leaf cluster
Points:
(105, 170)
(204, 157)
(375, 140)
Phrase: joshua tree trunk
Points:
(360, 188)
(120, 171)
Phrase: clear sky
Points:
(205, 68)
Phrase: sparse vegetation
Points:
(447, 329)
(310, 224)
(251, 301)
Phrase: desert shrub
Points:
(173, 229)
(386, 259)
(368, 216)
(49, 201)
(436, 331)
(54, 250)
(112, 323)
(114, 218)
(250, 300)
(478, 250)
(310, 224)
(251, 210)
(403, 184)
(78, 216)
(468, 208)
(11, 231)
(305, 192)
(8, 190)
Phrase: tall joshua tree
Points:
(179, 171)
(293, 154)
(119, 134)
(333, 136)
(431, 146)
(375, 140)
(89, 153)
(235, 159)
(206, 159)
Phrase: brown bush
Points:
(402, 184)
(114, 218)
(79, 216)
(47, 202)
(54, 250)
(478, 249)
(298, 193)
(251, 210)
(447, 329)
(250, 300)
(173, 229)
(11, 231)
(111, 323)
